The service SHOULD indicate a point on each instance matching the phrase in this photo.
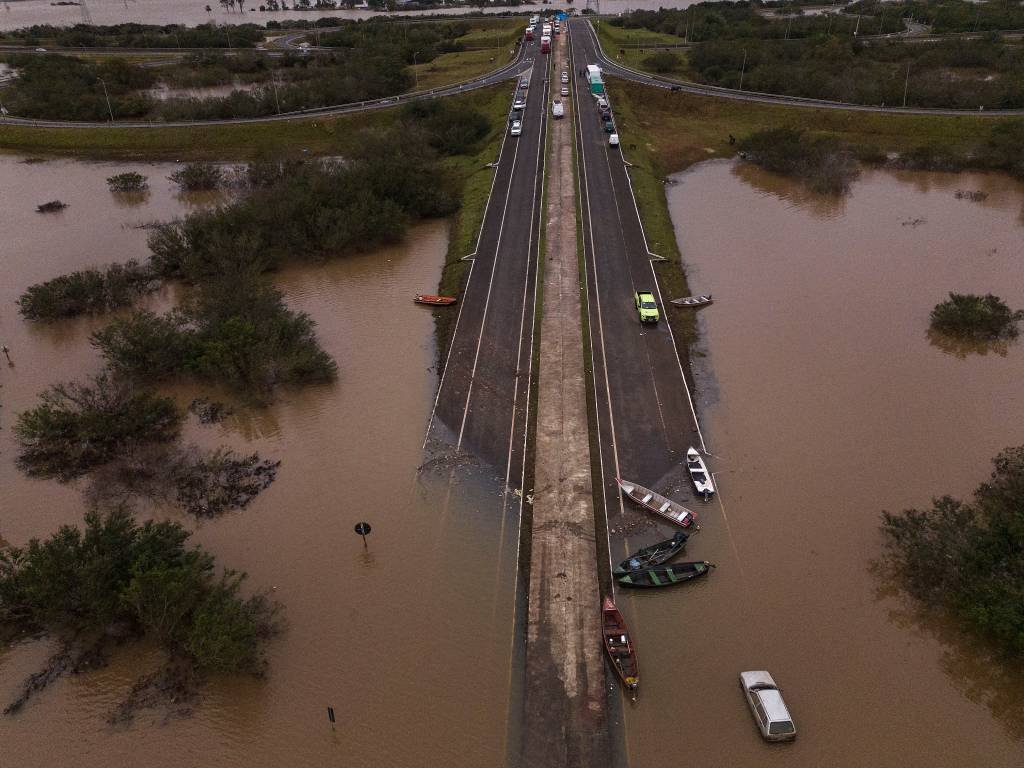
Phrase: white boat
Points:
(693, 301)
(699, 474)
(672, 511)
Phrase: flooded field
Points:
(24, 13)
(409, 640)
(824, 403)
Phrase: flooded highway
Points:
(824, 402)
(409, 640)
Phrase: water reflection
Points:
(132, 199)
(964, 348)
(797, 195)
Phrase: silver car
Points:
(765, 700)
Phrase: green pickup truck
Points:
(646, 307)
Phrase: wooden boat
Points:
(665, 575)
(693, 301)
(618, 646)
(655, 554)
(437, 301)
(699, 474)
(672, 511)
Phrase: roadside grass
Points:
(476, 188)
(494, 33)
(664, 132)
(450, 68)
(614, 38)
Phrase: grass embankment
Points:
(476, 188)
(664, 132)
(450, 68)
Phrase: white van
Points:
(557, 110)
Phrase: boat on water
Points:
(655, 554)
(699, 474)
(618, 645)
(653, 502)
(693, 301)
(436, 301)
(665, 575)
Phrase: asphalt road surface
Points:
(483, 398)
(645, 421)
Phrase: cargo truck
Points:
(545, 44)
(594, 79)
(529, 33)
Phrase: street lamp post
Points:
(277, 100)
(906, 85)
(106, 95)
(415, 74)
(743, 69)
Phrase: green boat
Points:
(666, 575)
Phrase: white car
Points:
(613, 140)
(517, 128)
(524, 83)
(765, 700)
(565, 90)
(519, 104)
(565, 77)
(557, 110)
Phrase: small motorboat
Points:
(666, 575)
(655, 554)
(436, 301)
(699, 474)
(672, 511)
(693, 301)
(618, 646)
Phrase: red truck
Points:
(545, 44)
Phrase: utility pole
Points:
(415, 74)
(743, 69)
(790, 24)
(107, 97)
(906, 85)
(277, 99)
(856, 30)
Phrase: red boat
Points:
(618, 645)
(437, 301)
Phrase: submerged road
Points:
(645, 420)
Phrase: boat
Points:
(655, 554)
(699, 474)
(665, 575)
(672, 511)
(437, 301)
(693, 301)
(618, 646)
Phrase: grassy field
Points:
(613, 38)
(664, 132)
(449, 68)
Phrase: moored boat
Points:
(437, 301)
(699, 474)
(672, 511)
(619, 646)
(665, 575)
(693, 301)
(655, 554)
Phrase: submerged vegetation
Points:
(198, 177)
(91, 588)
(819, 161)
(87, 291)
(127, 183)
(968, 557)
(976, 318)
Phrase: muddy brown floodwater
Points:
(824, 403)
(409, 641)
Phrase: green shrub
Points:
(967, 316)
(819, 161)
(87, 291)
(127, 182)
(198, 177)
(663, 62)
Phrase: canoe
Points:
(693, 301)
(672, 511)
(699, 474)
(618, 645)
(655, 554)
(437, 301)
(665, 575)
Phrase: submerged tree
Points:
(981, 318)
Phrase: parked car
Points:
(565, 90)
(765, 700)
(514, 115)
(519, 103)
(565, 77)
(606, 114)
(646, 307)
(557, 110)
(613, 140)
(524, 83)
(609, 126)
(517, 128)
(602, 103)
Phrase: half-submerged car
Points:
(646, 307)
(765, 700)
(517, 128)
